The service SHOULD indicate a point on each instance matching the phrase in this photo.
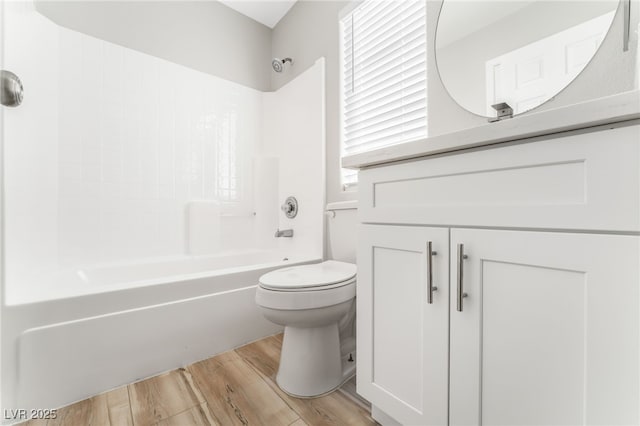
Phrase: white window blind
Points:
(384, 76)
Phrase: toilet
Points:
(316, 305)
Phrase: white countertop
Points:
(611, 109)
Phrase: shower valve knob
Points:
(290, 207)
(11, 90)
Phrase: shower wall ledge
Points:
(603, 111)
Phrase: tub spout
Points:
(288, 233)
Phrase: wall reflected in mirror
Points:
(519, 52)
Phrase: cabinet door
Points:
(548, 333)
(402, 339)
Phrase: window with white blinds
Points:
(384, 76)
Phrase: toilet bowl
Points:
(311, 302)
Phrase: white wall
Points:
(310, 30)
(31, 163)
(204, 35)
(307, 32)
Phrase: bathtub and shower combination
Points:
(102, 283)
(121, 323)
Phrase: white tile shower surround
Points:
(138, 138)
(125, 141)
(293, 126)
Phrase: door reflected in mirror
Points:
(518, 52)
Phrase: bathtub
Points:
(108, 325)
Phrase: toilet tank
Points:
(341, 233)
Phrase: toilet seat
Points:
(307, 286)
(316, 277)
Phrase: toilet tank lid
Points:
(309, 276)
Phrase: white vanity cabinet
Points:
(542, 241)
(548, 332)
(404, 333)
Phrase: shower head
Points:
(278, 64)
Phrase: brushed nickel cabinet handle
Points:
(430, 287)
(461, 293)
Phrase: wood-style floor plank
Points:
(299, 422)
(119, 407)
(233, 388)
(196, 416)
(162, 397)
(332, 409)
(263, 354)
(107, 409)
(237, 395)
(34, 422)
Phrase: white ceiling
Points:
(267, 12)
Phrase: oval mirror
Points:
(517, 52)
